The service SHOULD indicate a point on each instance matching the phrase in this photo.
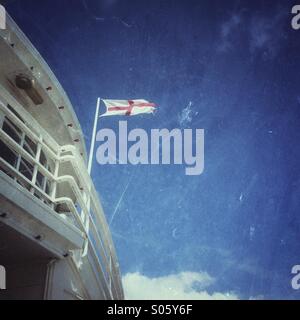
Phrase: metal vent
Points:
(23, 82)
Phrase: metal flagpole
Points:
(90, 161)
(94, 137)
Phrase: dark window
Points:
(10, 129)
(26, 169)
(7, 154)
(30, 146)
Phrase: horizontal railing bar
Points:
(9, 167)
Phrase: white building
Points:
(54, 240)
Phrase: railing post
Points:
(37, 158)
(54, 183)
(19, 156)
(45, 180)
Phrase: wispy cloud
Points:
(181, 286)
(267, 34)
(105, 5)
(228, 28)
(263, 32)
(185, 117)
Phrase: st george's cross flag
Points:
(127, 107)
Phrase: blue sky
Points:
(229, 67)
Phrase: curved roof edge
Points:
(69, 113)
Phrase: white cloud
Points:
(180, 286)
(186, 115)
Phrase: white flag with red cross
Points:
(127, 107)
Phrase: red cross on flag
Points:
(127, 107)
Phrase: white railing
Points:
(37, 163)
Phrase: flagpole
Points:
(90, 161)
(94, 137)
